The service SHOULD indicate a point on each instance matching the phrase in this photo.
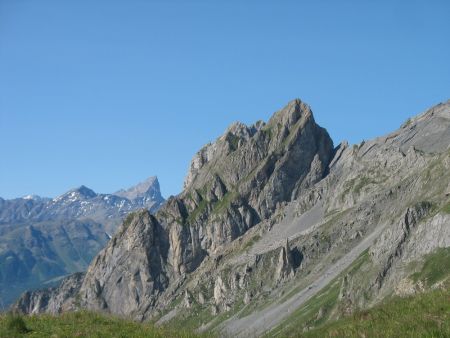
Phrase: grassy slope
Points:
(435, 268)
(319, 309)
(80, 324)
(423, 315)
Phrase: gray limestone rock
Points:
(271, 214)
(127, 276)
(54, 300)
(285, 267)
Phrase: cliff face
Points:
(232, 185)
(271, 215)
(130, 273)
(240, 180)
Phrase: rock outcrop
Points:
(285, 267)
(131, 271)
(54, 300)
(43, 239)
(232, 184)
(271, 214)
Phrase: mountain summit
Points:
(146, 190)
(234, 183)
(85, 192)
(278, 230)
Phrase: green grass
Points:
(361, 184)
(197, 316)
(425, 315)
(81, 324)
(435, 267)
(446, 208)
(321, 308)
(15, 323)
(251, 242)
(224, 203)
(192, 318)
(202, 206)
(315, 312)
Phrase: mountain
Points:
(147, 190)
(42, 239)
(277, 231)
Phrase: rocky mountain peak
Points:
(273, 215)
(262, 164)
(233, 184)
(291, 114)
(84, 192)
(294, 123)
(242, 131)
(148, 188)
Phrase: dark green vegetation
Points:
(80, 324)
(15, 324)
(424, 315)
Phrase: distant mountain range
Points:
(44, 239)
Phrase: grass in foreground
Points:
(81, 324)
(423, 315)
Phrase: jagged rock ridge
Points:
(270, 215)
(251, 170)
(233, 184)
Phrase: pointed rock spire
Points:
(285, 267)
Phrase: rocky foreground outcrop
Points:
(269, 216)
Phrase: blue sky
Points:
(106, 93)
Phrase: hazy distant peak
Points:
(84, 192)
(150, 186)
(32, 197)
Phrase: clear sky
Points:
(107, 93)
